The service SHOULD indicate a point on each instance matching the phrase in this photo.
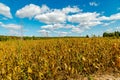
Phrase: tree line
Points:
(6, 38)
(115, 34)
(111, 34)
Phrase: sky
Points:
(59, 17)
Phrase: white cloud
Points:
(13, 29)
(68, 26)
(69, 9)
(108, 23)
(31, 10)
(52, 27)
(28, 11)
(13, 32)
(71, 18)
(44, 13)
(93, 4)
(81, 17)
(77, 30)
(112, 17)
(115, 16)
(44, 32)
(52, 17)
(5, 10)
(88, 19)
(44, 9)
(49, 27)
(89, 24)
(55, 29)
(10, 26)
(61, 33)
(85, 19)
(103, 18)
(57, 26)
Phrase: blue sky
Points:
(59, 18)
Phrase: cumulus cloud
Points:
(44, 9)
(52, 17)
(88, 16)
(52, 27)
(57, 26)
(89, 24)
(5, 10)
(93, 4)
(44, 32)
(85, 19)
(13, 32)
(45, 14)
(69, 9)
(103, 18)
(115, 17)
(10, 26)
(13, 29)
(31, 10)
(112, 17)
(69, 26)
(61, 33)
(28, 11)
(77, 30)
(72, 18)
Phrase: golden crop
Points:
(57, 59)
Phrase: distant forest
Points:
(115, 34)
(112, 34)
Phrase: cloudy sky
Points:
(59, 17)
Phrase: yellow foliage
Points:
(29, 70)
(53, 58)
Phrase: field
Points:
(58, 58)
